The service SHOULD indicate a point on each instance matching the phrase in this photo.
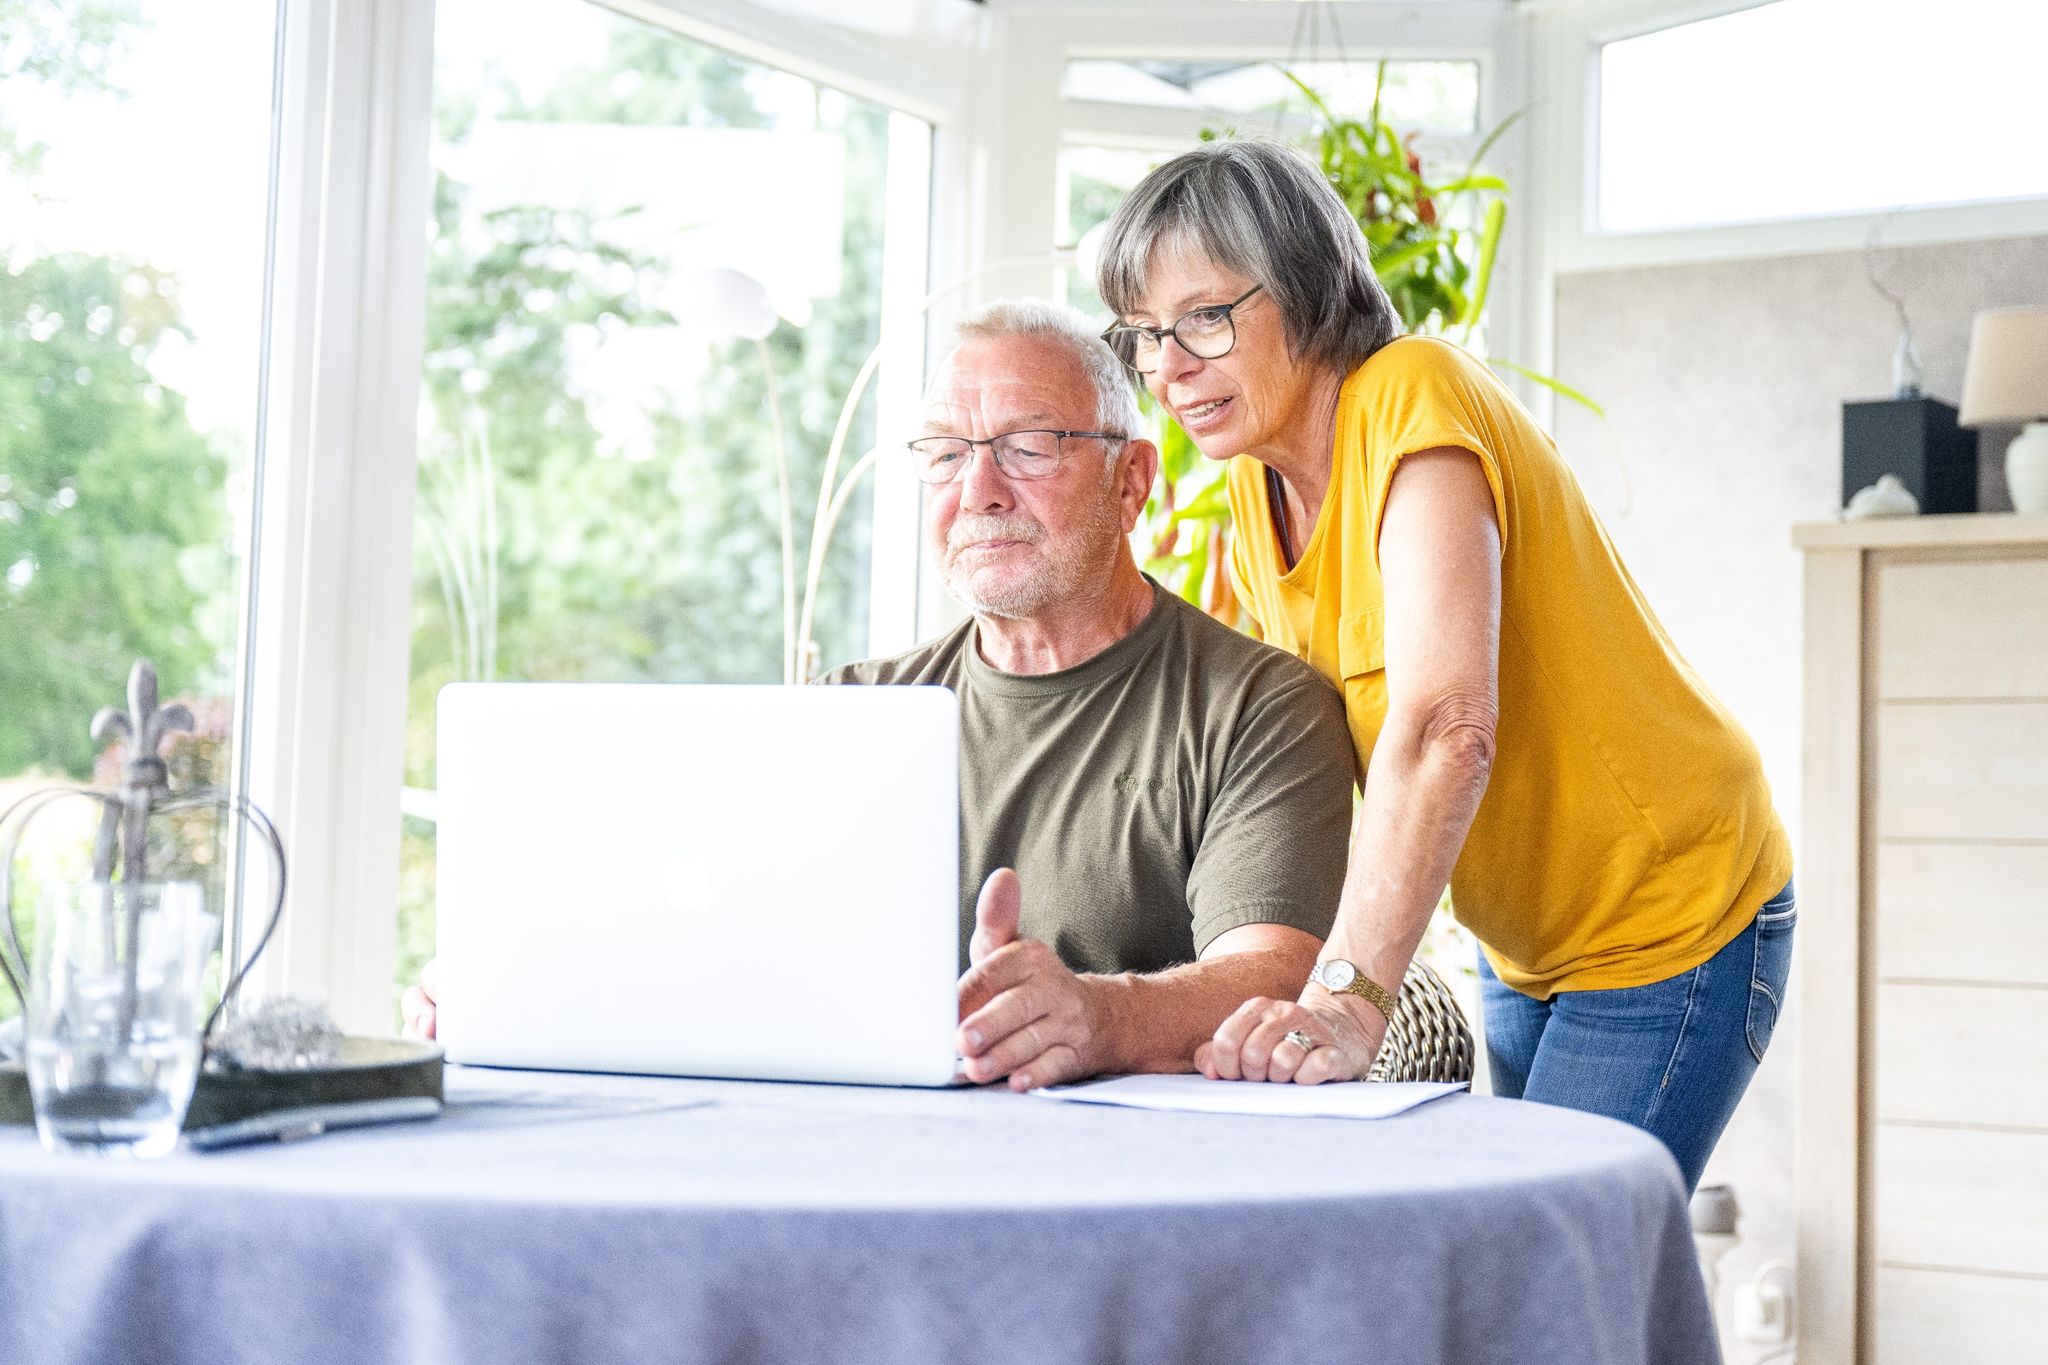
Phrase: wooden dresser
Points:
(1922, 963)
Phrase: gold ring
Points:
(1301, 1040)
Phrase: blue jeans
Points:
(1672, 1057)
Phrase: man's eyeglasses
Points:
(1205, 333)
(1019, 454)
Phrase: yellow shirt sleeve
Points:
(1423, 397)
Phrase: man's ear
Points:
(1140, 470)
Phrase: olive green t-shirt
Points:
(1185, 781)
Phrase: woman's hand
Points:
(1253, 1044)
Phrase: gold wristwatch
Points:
(1341, 978)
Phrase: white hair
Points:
(1116, 402)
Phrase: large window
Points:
(1440, 95)
(1092, 182)
(1812, 107)
(652, 265)
(134, 173)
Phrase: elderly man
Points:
(1152, 805)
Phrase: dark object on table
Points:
(1916, 439)
(367, 1069)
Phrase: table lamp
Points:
(2007, 383)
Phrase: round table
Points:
(559, 1219)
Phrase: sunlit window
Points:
(1439, 95)
(1092, 182)
(133, 202)
(1811, 107)
(651, 265)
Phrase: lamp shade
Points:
(2006, 383)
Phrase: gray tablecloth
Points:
(560, 1220)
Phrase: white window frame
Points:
(329, 592)
(330, 559)
(1568, 74)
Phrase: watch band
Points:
(1378, 996)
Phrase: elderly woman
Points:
(1527, 729)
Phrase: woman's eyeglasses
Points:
(1205, 333)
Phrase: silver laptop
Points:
(756, 882)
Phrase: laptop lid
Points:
(755, 882)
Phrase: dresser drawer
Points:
(1963, 912)
(1962, 1199)
(1967, 770)
(1963, 1054)
(1935, 1317)
(1965, 628)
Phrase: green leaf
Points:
(1209, 505)
(1197, 564)
(1465, 184)
(1394, 262)
(1322, 107)
(1177, 451)
(1489, 250)
(1556, 386)
(1486, 144)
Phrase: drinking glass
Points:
(114, 1013)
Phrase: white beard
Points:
(1068, 563)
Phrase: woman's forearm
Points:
(1429, 771)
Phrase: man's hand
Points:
(1023, 1014)
(1252, 1044)
(417, 1004)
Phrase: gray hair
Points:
(1116, 403)
(1261, 209)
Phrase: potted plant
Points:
(1435, 267)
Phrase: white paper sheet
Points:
(1199, 1094)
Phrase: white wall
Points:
(1723, 383)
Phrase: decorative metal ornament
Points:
(278, 1069)
(122, 843)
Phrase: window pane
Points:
(133, 201)
(1438, 95)
(1726, 121)
(1092, 182)
(618, 212)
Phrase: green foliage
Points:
(658, 558)
(112, 519)
(1188, 493)
(112, 530)
(648, 77)
(63, 44)
(1435, 273)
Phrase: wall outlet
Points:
(1763, 1306)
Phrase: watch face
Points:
(1336, 974)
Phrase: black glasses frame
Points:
(995, 450)
(1160, 334)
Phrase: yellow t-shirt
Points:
(1627, 833)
